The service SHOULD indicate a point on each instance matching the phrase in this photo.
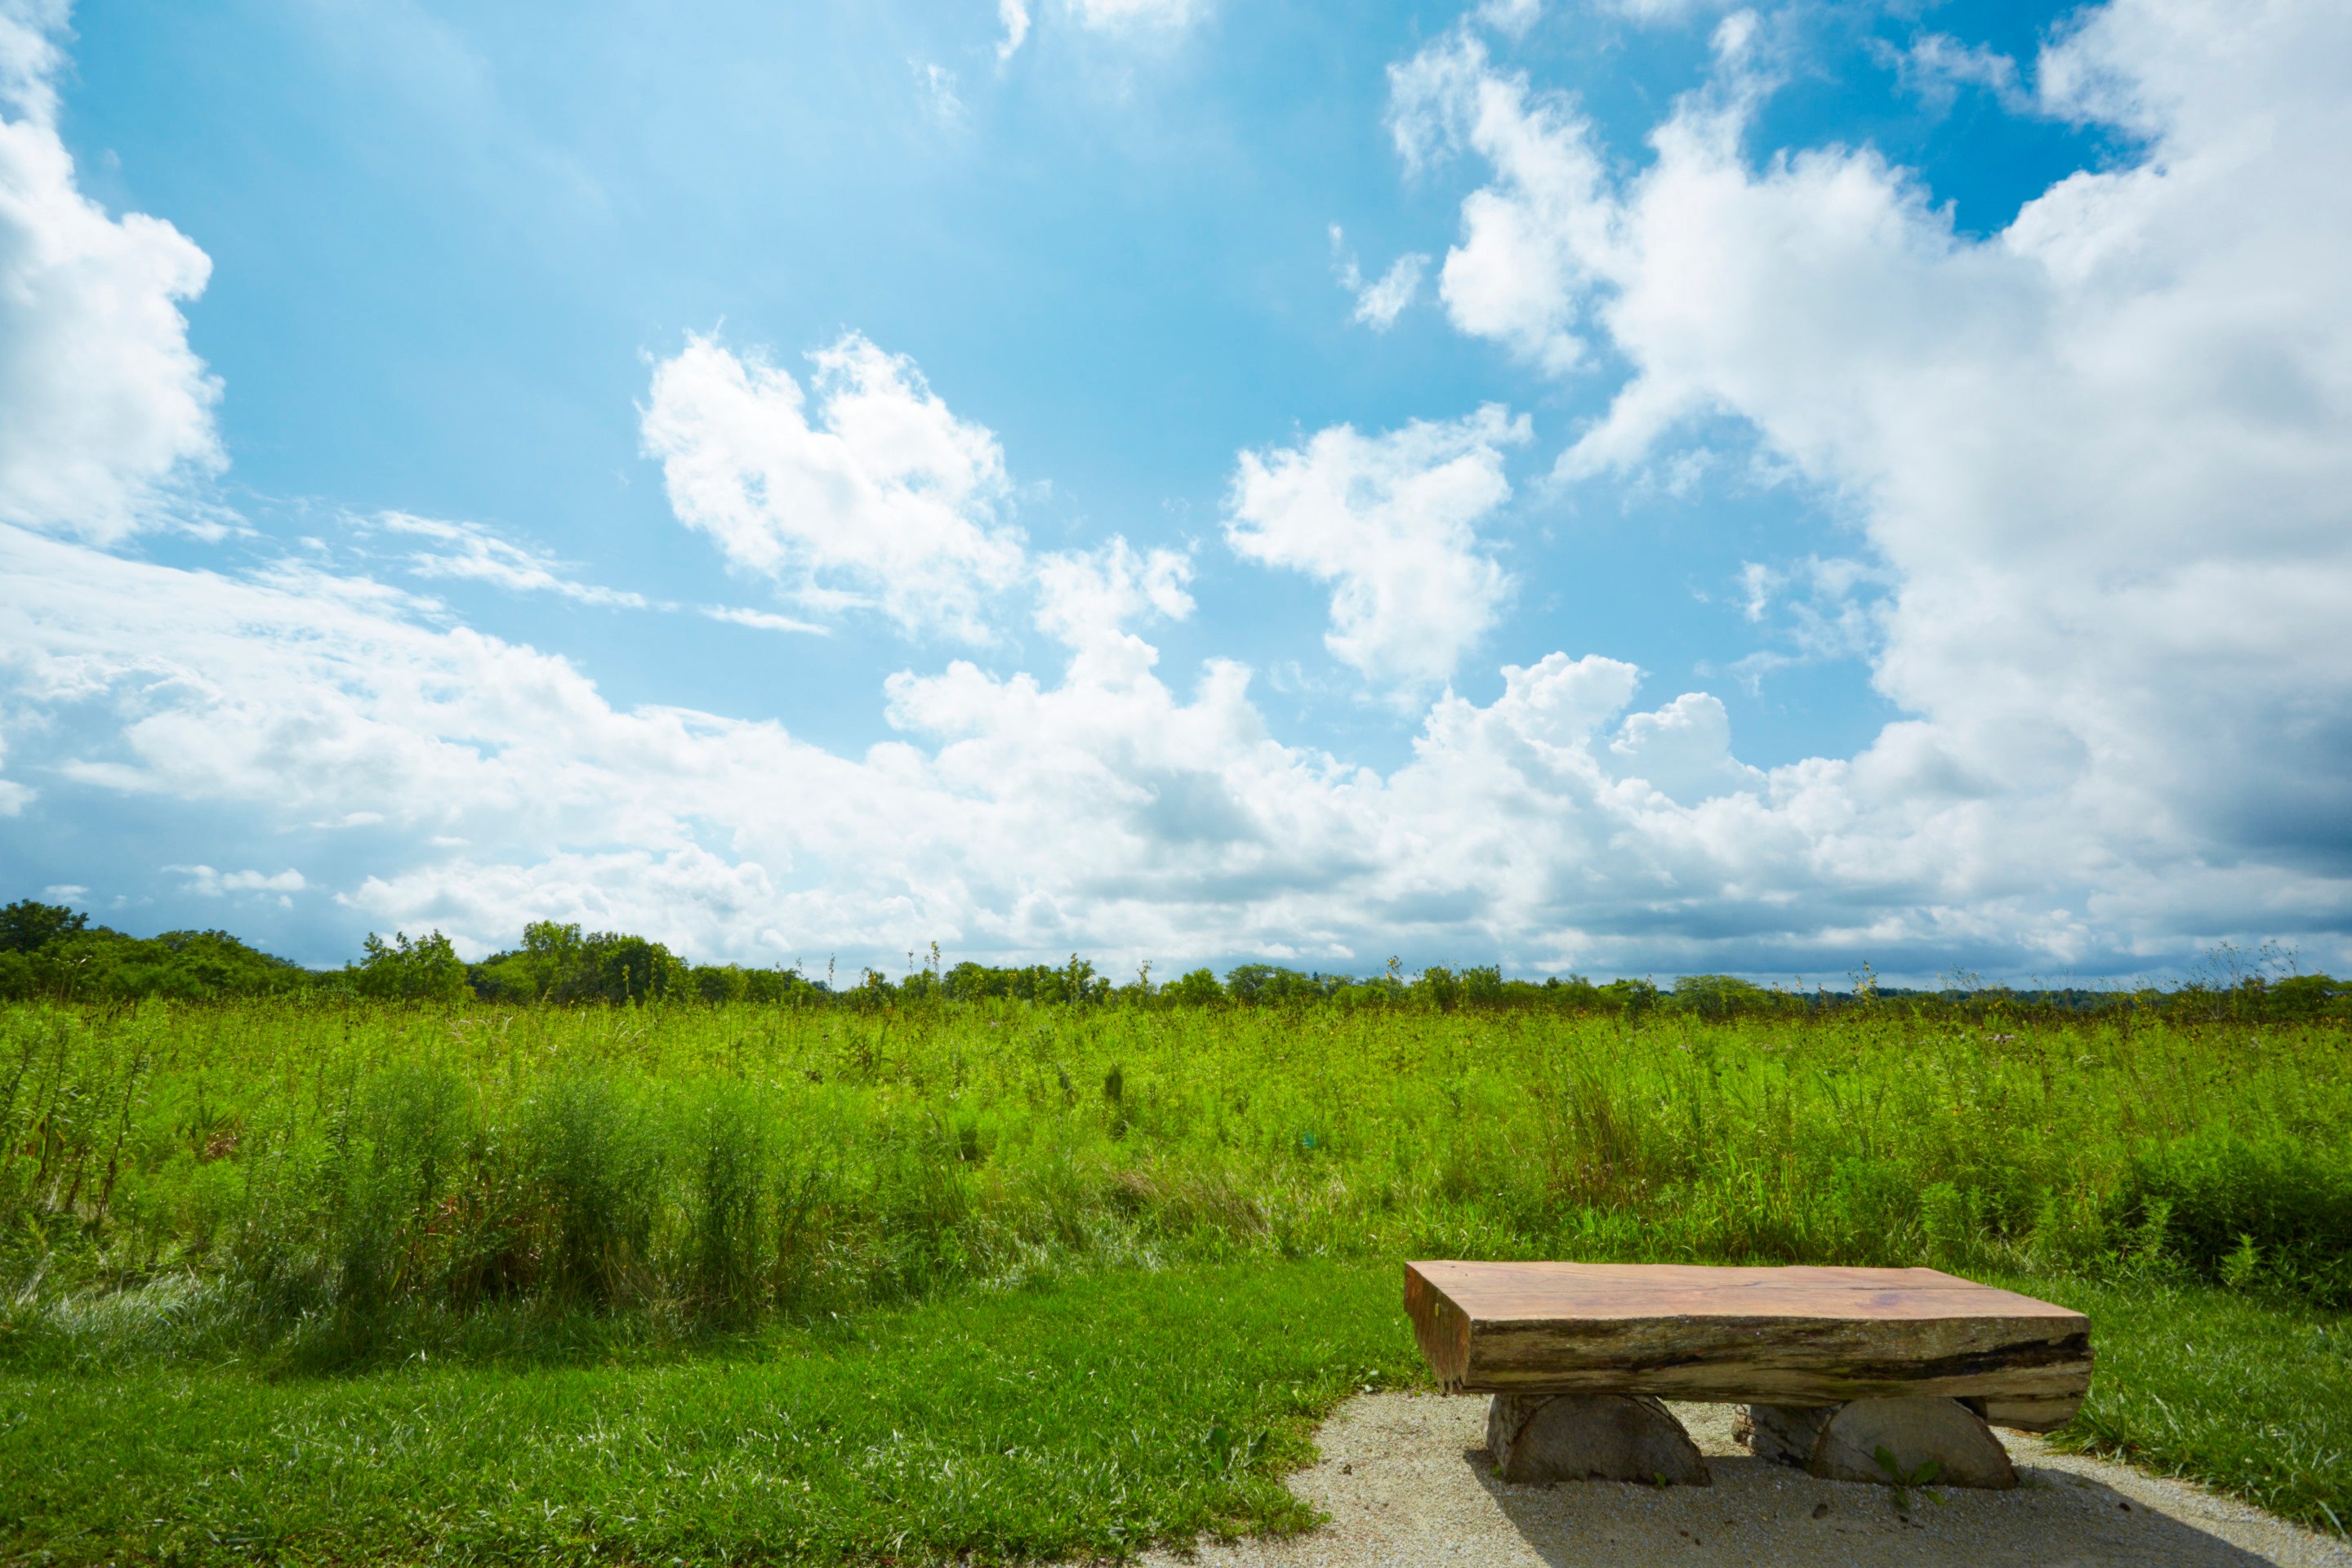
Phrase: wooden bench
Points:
(1853, 1373)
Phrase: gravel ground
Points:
(1407, 1481)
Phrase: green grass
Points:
(373, 1281)
(1088, 1418)
(2252, 1397)
(1091, 1416)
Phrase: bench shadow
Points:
(1759, 1509)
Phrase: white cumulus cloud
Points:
(1529, 241)
(2096, 463)
(1390, 521)
(2101, 456)
(1087, 597)
(104, 408)
(869, 493)
(1664, 13)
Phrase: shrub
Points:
(2279, 1206)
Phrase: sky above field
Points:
(1621, 486)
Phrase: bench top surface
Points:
(1533, 1292)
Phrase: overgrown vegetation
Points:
(326, 1173)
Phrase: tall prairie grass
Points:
(342, 1177)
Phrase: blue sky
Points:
(477, 373)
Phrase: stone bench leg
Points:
(1581, 1437)
(1841, 1443)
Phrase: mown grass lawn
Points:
(1088, 1418)
(1084, 1419)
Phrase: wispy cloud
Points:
(211, 884)
(937, 84)
(765, 620)
(470, 552)
(1379, 302)
(1014, 16)
(1937, 66)
(1137, 13)
(1512, 18)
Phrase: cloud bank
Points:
(2102, 455)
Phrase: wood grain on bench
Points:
(1795, 1336)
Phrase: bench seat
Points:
(1790, 1337)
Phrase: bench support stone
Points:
(1782, 1433)
(1584, 1436)
(1841, 1443)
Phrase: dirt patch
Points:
(1407, 1481)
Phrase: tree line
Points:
(53, 951)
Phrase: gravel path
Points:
(1407, 1481)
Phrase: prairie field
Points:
(316, 1281)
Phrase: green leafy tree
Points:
(1720, 995)
(721, 983)
(1485, 987)
(1438, 987)
(612, 967)
(970, 982)
(29, 927)
(1198, 989)
(425, 970)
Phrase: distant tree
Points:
(970, 982)
(613, 966)
(779, 985)
(1719, 995)
(1081, 983)
(1263, 984)
(1197, 989)
(212, 963)
(551, 954)
(1484, 987)
(557, 963)
(425, 970)
(1572, 994)
(1438, 987)
(64, 955)
(2305, 995)
(721, 983)
(546, 966)
(1632, 997)
(29, 927)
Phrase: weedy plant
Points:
(1902, 1483)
